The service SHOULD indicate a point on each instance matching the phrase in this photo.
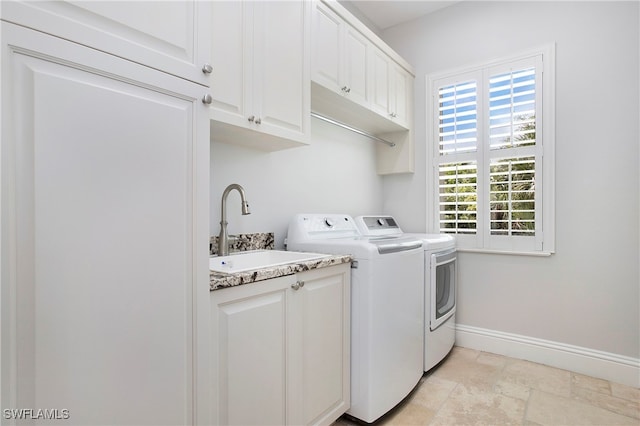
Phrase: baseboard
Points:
(603, 365)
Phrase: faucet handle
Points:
(232, 240)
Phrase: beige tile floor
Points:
(478, 388)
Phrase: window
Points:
(493, 144)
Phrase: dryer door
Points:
(443, 287)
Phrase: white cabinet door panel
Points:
(172, 36)
(381, 64)
(400, 81)
(327, 51)
(231, 62)
(254, 333)
(356, 66)
(281, 68)
(322, 309)
(99, 189)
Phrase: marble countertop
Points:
(221, 280)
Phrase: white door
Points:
(398, 97)
(104, 283)
(327, 52)
(380, 98)
(320, 366)
(249, 334)
(232, 61)
(356, 66)
(171, 36)
(281, 69)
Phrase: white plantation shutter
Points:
(512, 196)
(458, 136)
(512, 108)
(458, 198)
(457, 115)
(488, 168)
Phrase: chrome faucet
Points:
(223, 238)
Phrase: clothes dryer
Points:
(386, 307)
(439, 278)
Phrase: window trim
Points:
(546, 139)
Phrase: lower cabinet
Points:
(281, 350)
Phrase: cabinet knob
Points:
(258, 120)
(207, 69)
(297, 285)
(251, 118)
(207, 99)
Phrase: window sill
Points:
(506, 252)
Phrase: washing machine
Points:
(386, 307)
(439, 278)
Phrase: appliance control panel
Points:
(313, 226)
(377, 225)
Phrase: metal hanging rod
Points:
(353, 129)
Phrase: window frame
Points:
(543, 58)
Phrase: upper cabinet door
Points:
(340, 56)
(281, 68)
(232, 24)
(381, 64)
(400, 85)
(260, 84)
(327, 47)
(171, 36)
(356, 66)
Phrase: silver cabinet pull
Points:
(251, 118)
(207, 99)
(207, 69)
(297, 285)
(258, 120)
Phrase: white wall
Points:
(335, 174)
(587, 294)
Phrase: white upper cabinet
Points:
(358, 80)
(260, 84)
(340, 56)
(391, 85)
(171, 36)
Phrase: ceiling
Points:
(387, 13)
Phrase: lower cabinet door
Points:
(249, 361)
(320, 360)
